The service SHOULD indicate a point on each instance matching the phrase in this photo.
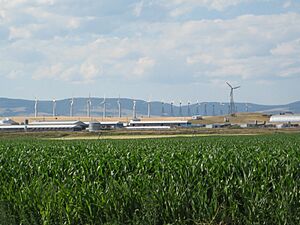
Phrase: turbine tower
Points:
(205, 109)
(134, 110)
(104, 107)
(213, 110)
(197, 108)
(232, 108)
(71, 107)
(189, 109)
(162, 108)
(54, 108)
(221, 109)
(149, 108)
(180, 108)
(171, 109)
(36, 108)
(89, 106)
(119, 106)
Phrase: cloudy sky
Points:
(163, 49)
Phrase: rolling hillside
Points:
(21, 107)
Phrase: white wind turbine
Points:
(162, 108)
(119, 107)
(189, 108)
(89, 106)
(232, 108)
(71, 107)
(134, 110)
(180, 108)
(221, 108)
(54, 108)
(172, 109)
(104, 107)
(247, 107)
(197, 108)
(36, 108)
(149, 108)
(205, 109)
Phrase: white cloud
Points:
(90, 71)
(73, 23)
(14, 74)
(138, 8)
(287, 4)
(12, 3)
(143, 65)
(287, 48)
(19, 32)
(246, 47)
(180, 7)
(48, 72)
(70, 41)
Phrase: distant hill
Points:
(19, 107)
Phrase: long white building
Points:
(288, 118)
(157, 123)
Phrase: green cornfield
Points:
(197, 180)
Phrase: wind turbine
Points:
(247, 107)
(89, 106)
(36, 108)
(205, 109)
(71, 107)
(180, 108)
(134, 110)
(221, 110)
(197, 108)
(171, 109)
(119, 107)
(149, 108)
(54, 108)
(189, 109)
(104, 107)
(162, 108)
(232, 105)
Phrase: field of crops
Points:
(212, 180)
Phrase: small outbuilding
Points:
(8, 121)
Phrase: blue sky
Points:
(171, 50)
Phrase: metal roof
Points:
(111, 123)
(285, 118)
(54, 126)
(159, 122)
(56, 122)
(148, 127)
(7, 121)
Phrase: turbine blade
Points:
(237, 87)
(228, 84)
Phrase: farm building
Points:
(287, 118)
(64, 122)
(96, 126)
(112, 125)
(179, 123)
(216, 125)
(46, 126)
(149, 128)
(7, 121)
